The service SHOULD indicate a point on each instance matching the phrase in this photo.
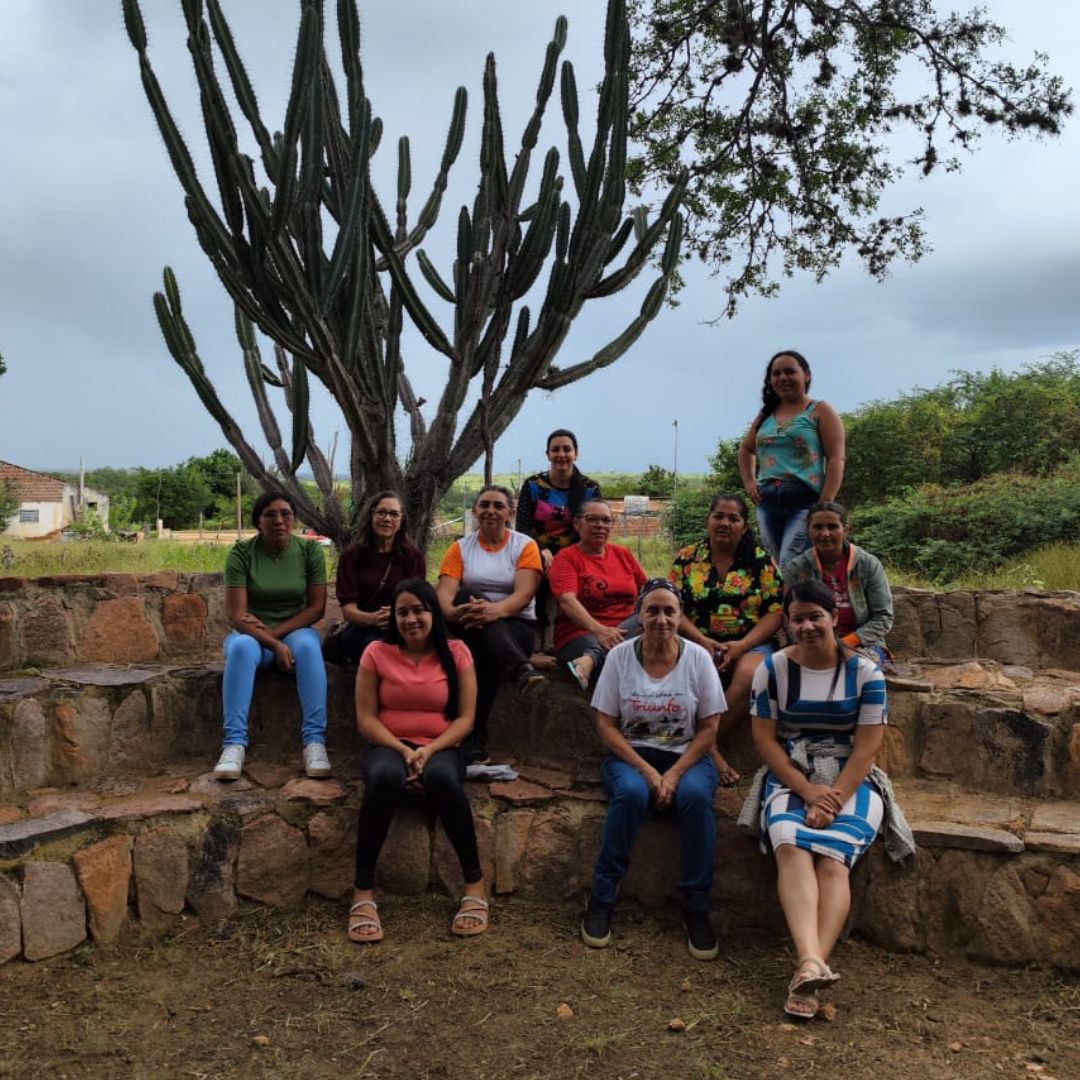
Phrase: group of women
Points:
(671, 663)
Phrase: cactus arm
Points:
(431, 275)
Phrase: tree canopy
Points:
(794, 116)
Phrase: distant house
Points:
(47, 505)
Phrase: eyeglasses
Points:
(383, 513)
(273, 515)
(597, 519)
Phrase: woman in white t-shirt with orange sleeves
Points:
(487, 584)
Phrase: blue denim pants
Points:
(693, 805)
(783, 531)
(244, 656)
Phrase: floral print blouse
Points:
(728, 609)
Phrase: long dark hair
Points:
(747, 545)
(769, 397)
(812, 591)
(425, 593)
(577, 481)
(365, 537)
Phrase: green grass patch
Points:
(1054, 566)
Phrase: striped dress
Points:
(813, 713)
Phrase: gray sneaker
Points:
(316, 763)
(230, 764)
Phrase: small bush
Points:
(945, 533)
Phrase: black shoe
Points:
(596, 925)
(529, 679)
(700, 936)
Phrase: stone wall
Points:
(171, 616)
(110, 618)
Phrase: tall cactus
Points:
(336, 305)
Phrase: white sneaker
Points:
(230, 764)
(316, 763)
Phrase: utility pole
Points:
(239, 510)
(675, 463)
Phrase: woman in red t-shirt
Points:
(415, 702)
(596, 585)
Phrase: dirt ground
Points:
(286, 995)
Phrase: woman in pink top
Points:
(415, 701)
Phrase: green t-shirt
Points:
(276, 584)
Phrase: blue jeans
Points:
(244, 656)
(783, 531)
(693, 806)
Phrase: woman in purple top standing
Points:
(369, 571)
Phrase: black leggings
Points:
(383, 772)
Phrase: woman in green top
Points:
(275, 591)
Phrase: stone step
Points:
(976, 724)
(995, 878)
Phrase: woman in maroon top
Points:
(383, 556)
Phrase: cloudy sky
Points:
(90, 211)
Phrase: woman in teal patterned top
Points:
(732, 606)
(792, 456)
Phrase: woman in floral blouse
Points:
(732, 606)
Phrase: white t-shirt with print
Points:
(661, 713)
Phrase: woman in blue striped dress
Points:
(819, 714)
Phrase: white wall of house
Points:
(35, 519)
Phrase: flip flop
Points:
(581, 680)
(358, 922)
(471, 908)
(811, 975)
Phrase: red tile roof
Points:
(32, 486)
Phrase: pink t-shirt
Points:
(606, 586)
(412, 696)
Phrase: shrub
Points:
(944, 533)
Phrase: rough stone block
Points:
(405, 861)
(23, 836)
(104, 872)
(268, 775)
(8, 814)
(332, 852)
(183, 616)
(653, 877)
(136, 807)
(213, 876)
(273, 863)
(7, 638)
(520, 792)
(50, 802)
(1007, 630)
(948, 728)
(948, 834)
(1006, 925)
(886, 900)
(551, 867)
(80, 747)
(905, 638)
(1057, 621)
(1072, 767)
(119, 584)
(161, 876)
(131, 747)
(318, 792)
(1059, 909)
(1059, 843)
(45, 632)
(119, 632)
(10, 921)
(208, 784)
(52, 910)
(1014, 752)
(168, 579)
(28, 748)
(511, 837)
(1061, 816)
(445, 861)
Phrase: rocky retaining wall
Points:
(94, 865)
(124, 618)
